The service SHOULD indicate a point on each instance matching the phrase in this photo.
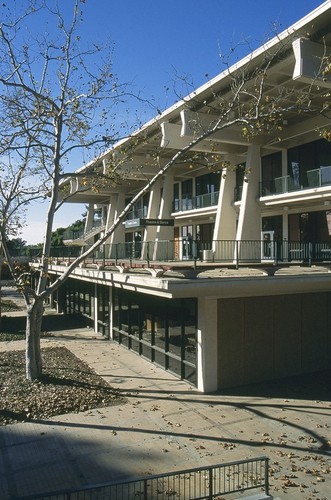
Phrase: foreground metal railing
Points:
(191, 484)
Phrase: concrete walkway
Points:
(167, 425)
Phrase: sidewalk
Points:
(167, 425)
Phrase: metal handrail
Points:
(315, 178)
(195, 202)
(187, 249)
(190, 484)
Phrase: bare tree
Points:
(50, 115)
(52, 103)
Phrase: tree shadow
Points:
(50, 323)
(308, 386)
(59, 322)
(37, 461)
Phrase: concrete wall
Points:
(261, 338)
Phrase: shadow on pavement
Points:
(309, 386)
(51, 322)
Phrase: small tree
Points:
(50, 117)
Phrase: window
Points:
(161, 330)
(271, 166)
(305, 162)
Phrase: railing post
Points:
(147, 253)
(266, 475)
(310, 253)
(211, 483)
(275, 253)
(116, 255)
(145, 489)
(237, 254)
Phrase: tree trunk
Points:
(33, 329)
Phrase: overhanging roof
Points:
(170, 129)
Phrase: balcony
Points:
(195, 202)
(319, 177)
(246, 252)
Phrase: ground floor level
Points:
(210, 341)
(163, 426)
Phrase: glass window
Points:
(187, 188)
(208, 183)
(162, 330)
(271, 166)
(306, 158)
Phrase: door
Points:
(267, 245)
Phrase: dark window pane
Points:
(174, 366)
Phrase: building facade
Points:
(163, 282)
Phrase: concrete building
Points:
(218, 272)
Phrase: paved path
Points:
(167, 425)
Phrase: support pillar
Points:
(249, 223)
(225, 222)
(207, 359)
(160, 204)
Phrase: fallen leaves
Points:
(67, 385)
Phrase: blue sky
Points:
(155, 42)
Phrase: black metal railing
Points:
(221, 251)
(191, 484)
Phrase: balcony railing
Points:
(316, 178)
(71, 235)
(137, 213)
(195, 202)
(216, 251)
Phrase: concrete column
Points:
(116, 206)
(207, 358)
(249, 223)
(160, 208)
(225, 222)
(89, 217)
(167, 198)
(153, 211)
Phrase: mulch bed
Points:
(67, 385)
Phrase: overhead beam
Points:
(194, 124)
(310, 59)
(172, 138)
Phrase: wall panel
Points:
(264, 338)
